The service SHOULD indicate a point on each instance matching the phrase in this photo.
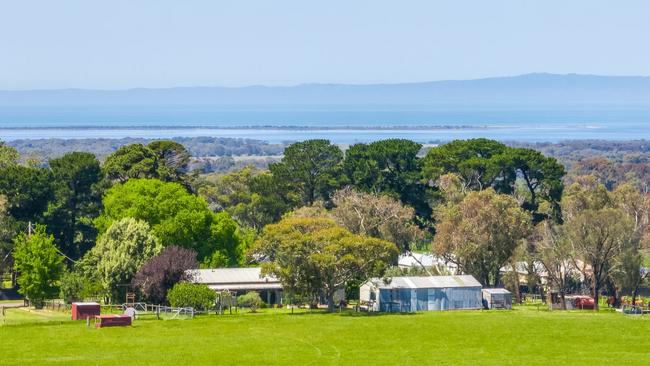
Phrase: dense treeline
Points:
(46, 149)
(571, 152)
(105, 221)
(214, 154)
(319, 218)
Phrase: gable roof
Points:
(427, 282)
(496, 291)
(234, 279)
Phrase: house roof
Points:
(413, 259)
(234, 279)
(496, 291)
(427, 282)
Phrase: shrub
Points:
(71, 287)
(75, 286)
(185, 294)
(251, 300)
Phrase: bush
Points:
(77, 287)
(193, 295)
(71, 287)
(251, 300)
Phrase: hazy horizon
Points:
(123, 44)
(309, 83)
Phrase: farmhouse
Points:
(239, 281)
(406, 294)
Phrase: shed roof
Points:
(427, 282)
(234, 279)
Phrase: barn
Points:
(408, 294)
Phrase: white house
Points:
(239, 281)
(428, 261)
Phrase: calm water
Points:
(334, 124)
(543, 132)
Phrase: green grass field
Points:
(25, 316)
(519, 337)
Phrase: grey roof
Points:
(415, 259)
(234, 279)
(496, 291)
(428, 282)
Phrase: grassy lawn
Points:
(25, 316)
(519, 337)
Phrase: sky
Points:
(117, 44)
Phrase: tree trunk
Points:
(516, 283)
(330, 300)
(563, 301)
(617, 299)
(596, 293)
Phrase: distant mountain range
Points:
(532, 90)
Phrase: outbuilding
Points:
(497, 298)
(408, 294)
(239, 281)
(85, 310)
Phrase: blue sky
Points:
(140, 43)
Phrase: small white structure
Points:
(239, 281)
(407, 294)
(497, 298)
(427, 261)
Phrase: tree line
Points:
(320, 219)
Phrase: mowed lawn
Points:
(519, 337)
(18, 316)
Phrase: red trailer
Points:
(84, 310)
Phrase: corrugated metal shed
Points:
(220, 279)
(405, 294)
(428, 282)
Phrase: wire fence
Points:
(56, 305)
(143, 310)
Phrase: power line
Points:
(68, 258)
(29, 233)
